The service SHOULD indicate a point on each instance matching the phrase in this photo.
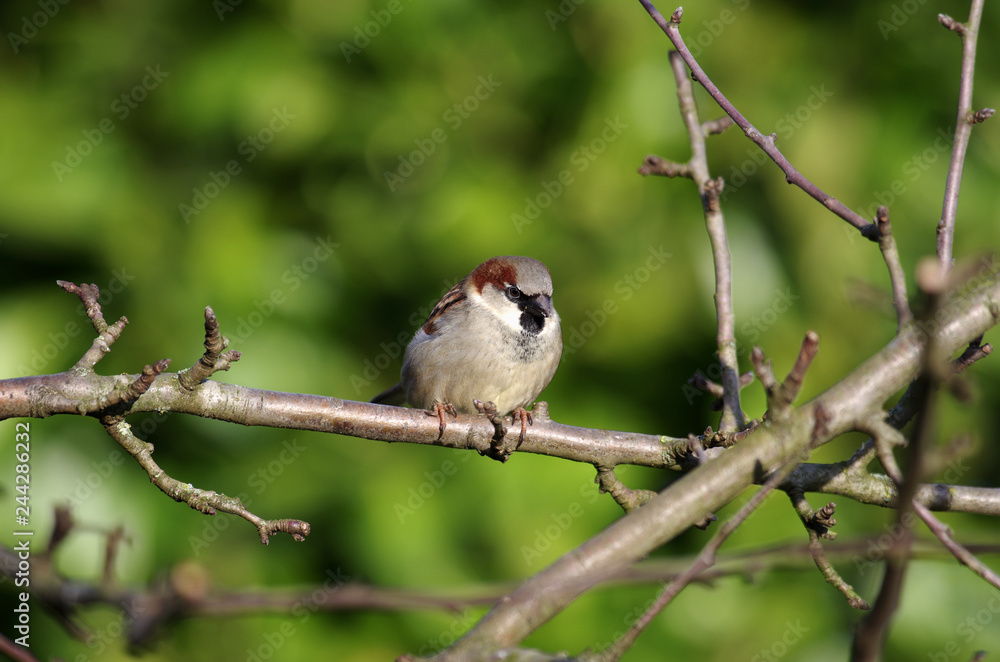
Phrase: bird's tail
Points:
(391, 396)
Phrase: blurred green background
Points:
(320, 172)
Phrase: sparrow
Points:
(490, 345)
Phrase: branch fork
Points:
(114, 406)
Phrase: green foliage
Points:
(320, 172)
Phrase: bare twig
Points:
(764, 371)
(111, 545)
(15, 652)
(716, 126)
(871, 633)
(213, 360)
(654, 165)
(975, 351)
(793, 382)
(766, 143)
(963, 129)
(107, 334)
(897, 278)
(781, 396)
(625, 497)
(732, 418)
(702, 383)
(817, 524)
(959, 551)
(204, 501)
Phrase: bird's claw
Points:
(440, 409)
(499, 449)
(526, 420)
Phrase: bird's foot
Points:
(499, 449)
(526, 420)
(440, 409)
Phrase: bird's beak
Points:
(541, 305)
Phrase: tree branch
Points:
(963, 129)
(732, 418)
(705, 560)
(897, 278)
(766, 143)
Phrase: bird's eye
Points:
(513, 292)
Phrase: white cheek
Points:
(511, 316)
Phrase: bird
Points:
(490, 345)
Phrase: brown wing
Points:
(450, 298)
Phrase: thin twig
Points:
(766, 143)
(871, 633)
(974, 352)
(831, 575)
(897, 277)
(107, 333)
(15, 652)
(732, 418)
(204, 501)
(959, 551)
(655, 165)
(817, 526)
(963, 129)
(213, 360)
(625, 497)
(790, 388)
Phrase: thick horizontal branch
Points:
(880, 490)
(48, 395)
(72, 393)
